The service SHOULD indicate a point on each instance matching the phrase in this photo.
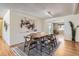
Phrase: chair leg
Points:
(52, 46)
(37, 46)
(41, 48)
(50, 50)
(24, 49)
(55, 42)
(28, 50)
(25, 45)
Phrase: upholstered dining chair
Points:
(30, 43)
(45, 43)
(27, 38)
(53, 40)
(49, 42)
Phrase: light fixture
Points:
(50, 13)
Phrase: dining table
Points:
(37, 36)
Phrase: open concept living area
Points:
(39, 29)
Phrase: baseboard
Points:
(14, 45)
(72, 41)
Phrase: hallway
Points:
(1, 22)
(4, 49)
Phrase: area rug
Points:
(18, 51)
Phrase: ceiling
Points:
(42, 10)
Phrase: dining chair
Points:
(53, 40)
(45, 43)
(49, 42)
(27, 38)
(31, 43)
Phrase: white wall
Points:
(50, 21)
(66, 19)
(17, 33)
(6, 34)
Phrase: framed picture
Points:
(29, 24)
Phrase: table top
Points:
(38, 34)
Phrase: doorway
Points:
(58, 29)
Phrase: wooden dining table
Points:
(38, 35)
(35, 36)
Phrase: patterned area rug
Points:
(18, 51)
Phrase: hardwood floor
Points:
(67, 48)
(4, 49)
